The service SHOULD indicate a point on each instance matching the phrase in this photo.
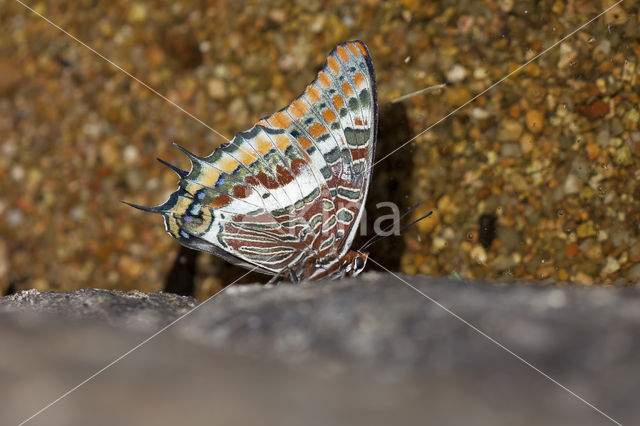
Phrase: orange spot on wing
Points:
(359, 80)
(313, 94)
(329, 116)
(227, 164)
(316, 130)
(305, 142)
(352, 47)
(342, 52)
(333, 65)
(280, 120)
(298, 108)
(282, 142)
(247, 156)
(358, 122)
(346, 88)
(263, 145)
(324, 79)
(338, 102)
(362, 49)
(209, 177)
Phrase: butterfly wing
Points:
(335, 121)
(291, 187)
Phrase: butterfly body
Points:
(285, 197)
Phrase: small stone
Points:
(623, 156)
(563, 275)
(437, 244)
(130, 154)
(567, 55)
(480, 73)
(527, 143)
(616, 127)
(616, 15)
(278, 16)
(570, 250)
(586, 229)
(479, 254)
(582, 278)
(216, 88)
(572, 185)
(610, 266)
(465, 22)
(628, 70)
(509, 130)
(137, 13)
(506, 5)
(480, 114)
(17, 172)
(605, 47)
(515, 111)
(15, 217)
(535, 93)
(456, 74)
(510, 150)
(594, 110)
(535, 121)
(457, 96)
(593, 150)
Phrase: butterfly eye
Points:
(359, 263)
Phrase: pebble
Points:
(479, 254)
(457, 96)
(593, 150)
(611, 266)
(509, 130)
(567, 54)
(535, 121)
(456, 74)
(586, 229)
(623, 156)
(572, 185)
(594, 110)
(216, 88)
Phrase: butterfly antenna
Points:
(379, 237)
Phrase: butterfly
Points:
(285, 197)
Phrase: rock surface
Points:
(366, 351)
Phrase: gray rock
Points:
(364, 351)
(134, 308)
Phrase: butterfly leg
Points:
(276, 278)
(292, 275)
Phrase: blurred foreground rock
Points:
(364, 351)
